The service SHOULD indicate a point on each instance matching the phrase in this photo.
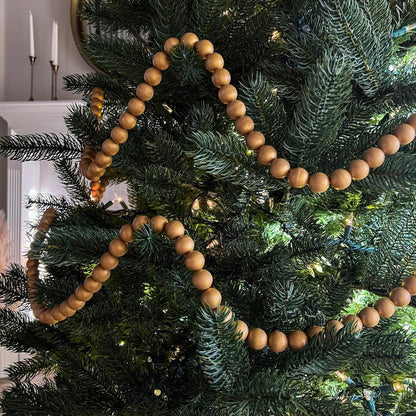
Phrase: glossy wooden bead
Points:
(221, 77)
(318, 182)
(127, 121)
(194, 261)
(313, 331)
(161, 61)
(145, 92)
(211, 298)
(359, 169)
(389, 144)
(110, 148)
(385, 307)
(136, 106)
(400, 296)
(227, 93)
(108, 261)
(257, 339)
(280, 168)
(184, 245)
(340, 179)
(236, 109)
(369, 317)
(412, 121)
(334, 325)
(57, 315)
(66, 310)
(410, 285)
(298, 178)
(202, 279)
(266, 154)
(214, 61)
(98, 93)
(374, 157)
(75, 303)
(241, 329)
(204, 48)
(92, 285)
(82, 294)
(170, 44)
(189, 40)
(117, 247)
(100, 275)
(244, 125)
(158, 223)
(227, 311)
(255, 140)
(174, 229)
(126, 233)
(119, 135)
(297, 340)
(152, 76)
(278, 341)
(139, 221)
(356, 323)
(102, 160)
(405, 133)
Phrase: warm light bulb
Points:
(397, 387)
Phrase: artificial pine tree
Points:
(323, 80)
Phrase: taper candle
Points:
(53, 43)
(31, 36)
(56, 44)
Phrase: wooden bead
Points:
(369, 317)
(278, 341)
(227, 93)
(298, 178)
(318, 182)
(236, 109)
(266, 154)
(194, 261)
(96, 102)
(75, 303)
(102, 160)
(126, 233)
(92, 285)
(95, 186)
(49, 213)
(241, 329)
(117, 248)
(96, 111)
(400, 296)
(214, 61)
(334, 325)
(357, 324)
(136, 106)
(184, 245)
(127, 121)
(95, 171)
(280, 168)
(33, 272)
(297, 340)
(139, 221)
(161, 61)
(385, 307)
(98, 93)
(410, 285)
(340, 179)
(221, 77)
(152, 76)
(374, 157)
(57, 315)
(255, 140)
(405, 133)
(145, 92)
(66, 310)
(226, 311)
(359, 169)
(31, 263)
(412, 121)
(46, 318)
(313, 331)
(211, 298)
(189, 40)
(202, 279)
(244, 125)
(204, 48)
(110, 148)
(389, 144)
(174, 229)
(100, 275)
(119, 135)
(82, 294)
(257, 339)
(170, 44)
(158, 223)
(108, 261)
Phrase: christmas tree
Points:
(264, 263)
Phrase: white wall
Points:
(14, 48)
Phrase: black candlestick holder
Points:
(54, 86)
(32, 60)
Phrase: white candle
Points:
(32, 36)
(53, 43)
(56, 44)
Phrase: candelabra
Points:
(32, 60)
(54, 86)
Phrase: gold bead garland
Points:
(202, 280)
